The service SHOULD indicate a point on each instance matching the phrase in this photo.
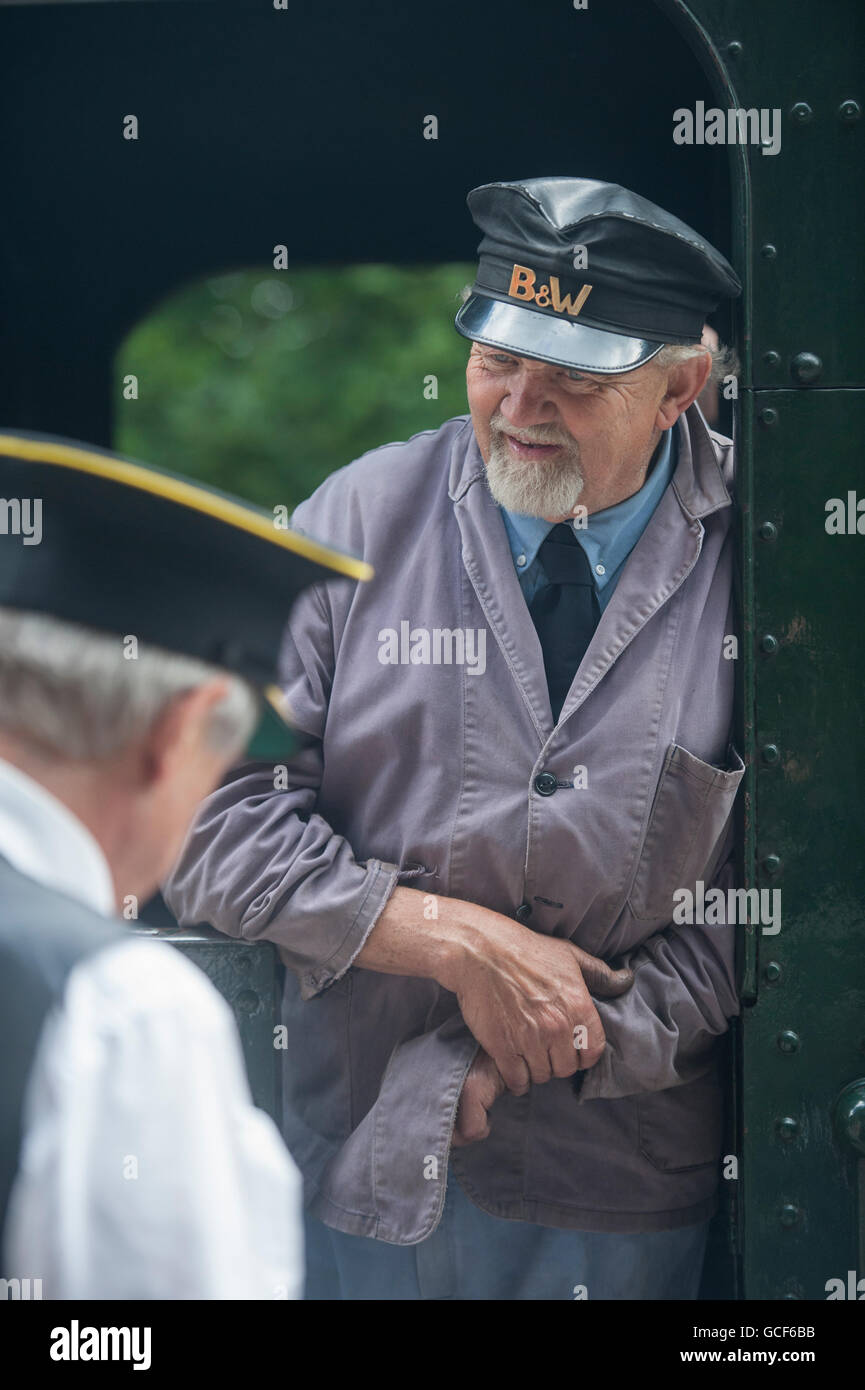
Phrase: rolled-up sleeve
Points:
(259, 862)
(662, 1032)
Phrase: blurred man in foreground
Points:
(133, 656)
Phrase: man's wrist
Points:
(459, 939)
(431, 937)
(471, 936)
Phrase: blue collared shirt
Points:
(608, 537)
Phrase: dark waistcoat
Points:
(43, 935)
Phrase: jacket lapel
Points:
(657, 567)
(490, 567)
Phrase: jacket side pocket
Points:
(689, 815)
(681, 1128)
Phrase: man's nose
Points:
(528, 402)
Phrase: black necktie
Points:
(564, 610)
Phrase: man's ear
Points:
(179, 731)
(685, 381)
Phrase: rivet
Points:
(768, 531)
(771, 863)
(768, 252)
(771, 358)
(770, 753)
(789, 1214)
(772, 972)
(769, 416)
(248, 1001)
(787, 1127)
(734, 48)
(849, 111)
(806, 366)
(788, 1041)
(769, 643)
(801, 112)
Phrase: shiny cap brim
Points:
(527, 333)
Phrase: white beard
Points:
(541, 488)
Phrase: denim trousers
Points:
(472, 1255)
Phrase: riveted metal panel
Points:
(806, 292)
(798, 246)
(804, 1038)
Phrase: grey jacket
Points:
(424, 773)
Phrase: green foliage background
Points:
(263, 382)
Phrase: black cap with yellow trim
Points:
(99, 540)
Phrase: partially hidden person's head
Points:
(140, 630)
(132, 746)
(586, 319)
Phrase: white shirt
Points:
(145, 1171)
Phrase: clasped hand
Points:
(524, 996)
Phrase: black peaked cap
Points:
(587, 274)
(132, 550)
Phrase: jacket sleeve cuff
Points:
(380, 881)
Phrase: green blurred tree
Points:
(263, 382)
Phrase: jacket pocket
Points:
(681, 1128)
(689, 815)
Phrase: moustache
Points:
(533, 434)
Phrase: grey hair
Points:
(724, 360)
(75, 693)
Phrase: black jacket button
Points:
(524, 912)
(546, 784)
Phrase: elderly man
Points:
(137, 624)
(537, 757)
